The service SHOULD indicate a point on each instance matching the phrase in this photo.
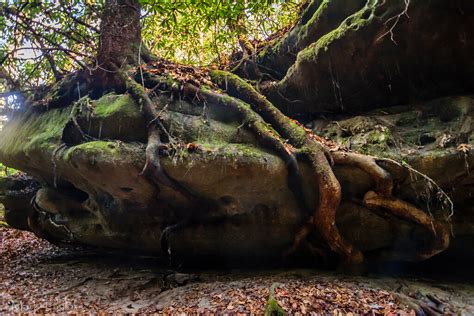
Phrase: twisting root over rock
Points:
(152, 168)
(287, 137)
(383, 179)
(263, 131)
(324, 216)
(382, 197)
(409, 212)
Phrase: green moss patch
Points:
(112, 104)
(37, 131)
(104, 148)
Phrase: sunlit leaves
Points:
(206, 31)
(39, 36)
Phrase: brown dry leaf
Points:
(26, 272)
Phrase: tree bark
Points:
(120, 35)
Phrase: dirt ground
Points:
(37, 277)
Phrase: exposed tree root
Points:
(442, 196)
(383, 179)
(262, 130)
(66, 289)
(168, 230)
(324, 216)
(382, 197)
(264, 133)
(409, 212)
(152, 168)
(288, 139)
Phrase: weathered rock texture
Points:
(92, 191)
(101, 199)
(366, 54)
(436, 138)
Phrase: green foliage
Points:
(206, 31)
(42, 40)
(5, 171)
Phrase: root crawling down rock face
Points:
(290, 140)
(174, 205)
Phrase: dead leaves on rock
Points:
(182, 73)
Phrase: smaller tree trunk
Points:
(120, 34)
(119, 44)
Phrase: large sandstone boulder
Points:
(339, 59)
(92, 192)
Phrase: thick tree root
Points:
(287, 138)
(383, 179)
(152, 168)
(409, 212)
(264, 133)
(164, 236)
(324, 217)
(382, 198)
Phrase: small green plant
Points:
(273, 308)
(6, 171)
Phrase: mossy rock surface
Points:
(96, 186)
(435, 137)
(362, 62)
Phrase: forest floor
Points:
(37, 277)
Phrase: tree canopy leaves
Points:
(206, 31)
(40, 41)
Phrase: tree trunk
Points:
(120, 34)
(119, 42)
